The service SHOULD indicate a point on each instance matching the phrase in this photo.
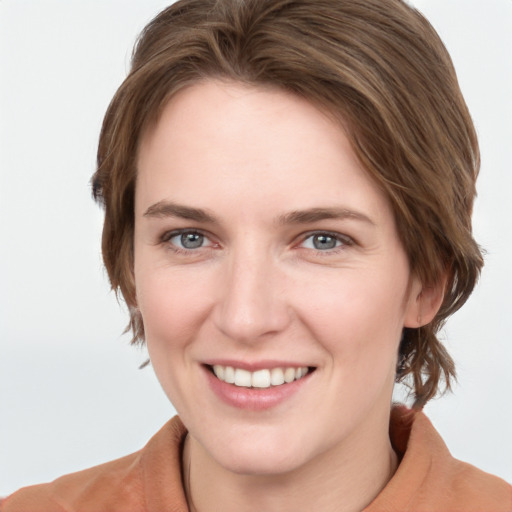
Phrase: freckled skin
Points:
(257, 289)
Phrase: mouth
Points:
(260, 379)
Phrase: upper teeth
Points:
(260, 378)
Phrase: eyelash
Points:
(169, 235)
(343, 240)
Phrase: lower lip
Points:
(254, 399)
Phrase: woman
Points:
(288, 189)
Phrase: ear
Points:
(424, 302)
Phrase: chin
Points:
(256, 463)
(262, 453)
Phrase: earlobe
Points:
(424, 302)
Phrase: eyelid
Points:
(345, 240)
(168, 235)
(164, 239)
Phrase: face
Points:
(271, 280)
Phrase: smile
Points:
(264, 378)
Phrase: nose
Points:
(252, 303)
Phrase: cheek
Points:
(173, 313)
(172, 305)
(358, 318)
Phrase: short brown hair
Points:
(379, 68)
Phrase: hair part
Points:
(375, 66)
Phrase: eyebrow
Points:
(316, 214)
(164, 209)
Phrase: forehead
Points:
(216, 113)
(217, 139)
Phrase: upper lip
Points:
(253, 366)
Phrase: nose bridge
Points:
(252, 302)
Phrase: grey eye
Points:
(191, 240)
(324, 242)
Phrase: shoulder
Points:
(429, 478)
(462, 487)
(475, 486)
(115, 486)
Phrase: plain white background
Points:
(71, 395)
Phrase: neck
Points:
(344, 479)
